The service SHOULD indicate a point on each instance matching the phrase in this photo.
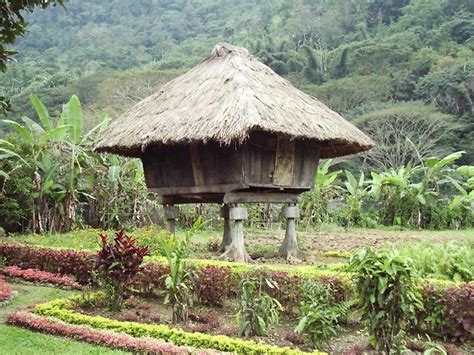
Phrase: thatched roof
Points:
(225, 98)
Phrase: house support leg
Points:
(171, 215)
(235, 251)
(289, 248)
(227, 237)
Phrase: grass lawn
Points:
(88, 239)
(21, 341)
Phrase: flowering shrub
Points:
(5, 290)
(40, 276)
(211, 285)
(118, 264)
(94, 336)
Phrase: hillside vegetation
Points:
(382, 63)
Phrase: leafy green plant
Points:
(314, 205)
(320, 314)
(352, 213)
(178, 282)
(257, 309)
(388, 296)
(449, 261)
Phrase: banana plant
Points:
(58, 151)
(460, 207)
(356, 193)
(6, 152)
(315, 204)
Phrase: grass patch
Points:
(21, 341)
(30, 294)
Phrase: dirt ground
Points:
(354, 240)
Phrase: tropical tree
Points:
(315, 204)
(58, 151)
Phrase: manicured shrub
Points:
(5, 290)
(61, 309)
(287, 291)
(459, 302)
(118, 264)
(58, 261)
(203, 322)
(151, 278)
(211, 285)
(388, 296)
(35, 275)
(257, 309)
(80, 265)
(94, 336)
(448, 312)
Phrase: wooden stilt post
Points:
(171, 214)
(235, 251)
(289, 248)
(227, 237)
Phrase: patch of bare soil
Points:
(354, 240)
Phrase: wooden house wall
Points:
(248, 166)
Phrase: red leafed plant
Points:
(5, 290)
(118, 264)
(211, 285)
(35, 275)
(95, 336)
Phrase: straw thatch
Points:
(224, 99)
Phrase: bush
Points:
(459, 303)
(61, 309)
(93, 336)
(388, 297)
(118, 264)
(151, 278)
(211, 285)
(5, 290)
(59, 261)
(257, 310)
(35, 275)
(448, 312)
(319, 312)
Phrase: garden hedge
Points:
(98, 337)
(449, 306)
(61, 309)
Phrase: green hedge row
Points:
(61, 309)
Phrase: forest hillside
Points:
(401, 70)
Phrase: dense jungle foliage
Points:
(401, 70)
